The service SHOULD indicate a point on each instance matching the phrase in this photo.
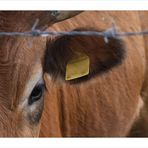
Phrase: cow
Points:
(106, 105)
(21, 81)
(105, 101)
(140, 128)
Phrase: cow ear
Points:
(68, 55)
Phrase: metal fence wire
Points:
(109, 33)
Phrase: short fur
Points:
(105, 105)
(109, 102)
(103, 56)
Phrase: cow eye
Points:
(36, 94)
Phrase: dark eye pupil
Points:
(36, 94)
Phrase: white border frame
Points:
(74, 143)
(73, 5)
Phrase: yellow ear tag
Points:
(77, 67)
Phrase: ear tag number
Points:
(77, 67)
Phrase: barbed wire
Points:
(109, 33)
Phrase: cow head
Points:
(24, 60)
(21, 71)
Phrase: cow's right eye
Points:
(36, 94)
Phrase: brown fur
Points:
(18, 56)
(140, 128)
(106, 105)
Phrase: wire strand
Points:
(111, 32)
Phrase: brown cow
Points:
(140, 128)
(21, 84)
(106, 102)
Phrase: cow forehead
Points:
(19, 57)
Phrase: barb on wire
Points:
(111, 32)
(35, 24)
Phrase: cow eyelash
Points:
(36, 94)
